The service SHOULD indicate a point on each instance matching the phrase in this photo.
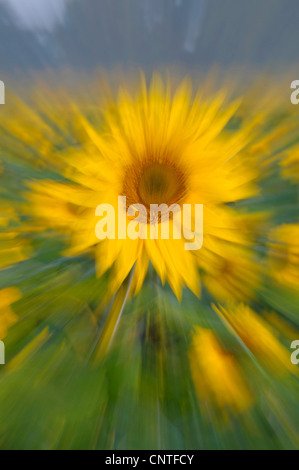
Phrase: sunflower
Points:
(283, 260)
(156, 147)
(258, 336)
(290, 164)
(13, 247)
(217, 377)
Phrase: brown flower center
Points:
(154, 183)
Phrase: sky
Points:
(36, 15)
(147, 33)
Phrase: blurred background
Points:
(195, 374)
(146, 33)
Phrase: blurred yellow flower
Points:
(283, 261)
(158, 148)
(230, 271)
(7, 317)
(216, 375)
(13, 248)
(290, 164)
(228, 260)
(259, 337)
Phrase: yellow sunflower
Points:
(290, 164)
(156, 147)
(13, 248)
(258, 336)
(217, 377)
(283, 260)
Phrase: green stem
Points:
(114, 317)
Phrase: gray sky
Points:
(36, 15)
(147, 33)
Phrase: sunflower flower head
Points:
(259, 337)
(284, 255)
(156, 147)
(216, 374)
(290, 164)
